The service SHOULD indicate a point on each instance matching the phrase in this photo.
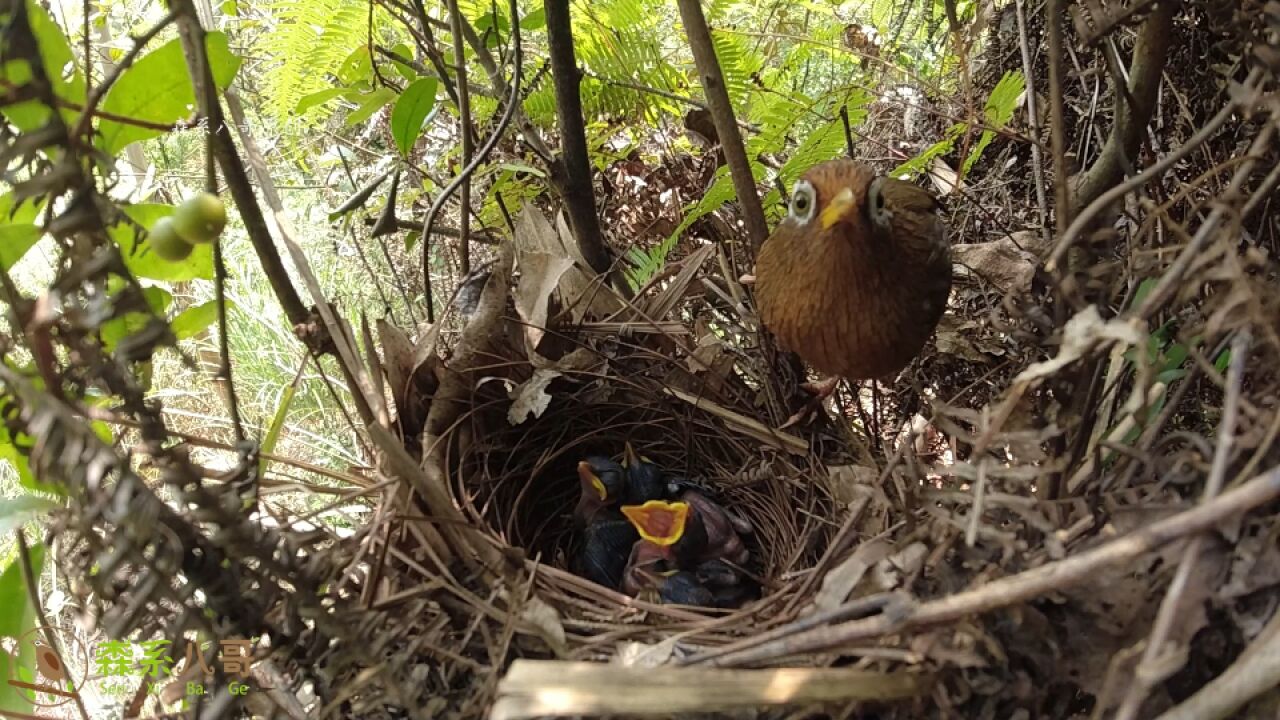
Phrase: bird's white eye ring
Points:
(880, 216)
(804, 201)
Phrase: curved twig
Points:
(1091, 211)
(513, 102)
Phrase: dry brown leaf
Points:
(638, 654)
(944, 179)
(890, 572)
(955, 336)
(1008, 263)
(397, 359)
(849, 483)
(1082, 332)
(843, 579)
(530, 396)
(544, 621)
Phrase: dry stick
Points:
(1054, 11)
(1134, 105)
(1154, 665)
(513, 102)
(207, 97)
(368, 404)
(1172, 278)
(468, 142)
(1068, 237)
(33, 592)
(735, 154)
(575, 164)
(1033, 114)
(1029, 584)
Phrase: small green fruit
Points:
(166, 243)
(200, 218)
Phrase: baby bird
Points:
(603, 483)
(693, 529)
(644, 479)
(607, 536)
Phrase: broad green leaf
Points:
(15, 240)
(318, 98)
(370, 103)
(146, 264)
(522, 168)
(117, 329)
(415, 104)
(17, 617)
(60, 65)
(230, 8)
(18, 511)
(194, 320)
(157, 89)
(999, 111)
(1144, 289)
(406, 71)
(535, 20)
(356, 66)
(1222, 361)
(18, 462)
(486, 26)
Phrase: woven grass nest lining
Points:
(528, 484)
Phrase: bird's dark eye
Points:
(879, 214)
(802, 201)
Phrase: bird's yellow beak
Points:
(661, 523)
(589, 478)
(836, 210)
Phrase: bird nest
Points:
(561, 384)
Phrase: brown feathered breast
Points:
(855, 278)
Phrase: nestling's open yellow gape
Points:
(855, 278)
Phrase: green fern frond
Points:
(313, 38)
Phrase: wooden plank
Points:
(533, 688)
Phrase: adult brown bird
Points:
(855, 278)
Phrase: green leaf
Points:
(18, 462)
(486, 25)
(356, 67)
(157, 89)
(194, 320)
(1222, 361)
(920, 163)
(406, 71)
(117, 329)
(318, 98)
(15, 240)
(999, 111)
(18, 511)
(60, 64)
(535, 20)
(146, 264)
(411, 110)
(277, 423)
(1144, 289)
(18, 618)
(370, 103)
(516, 167)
